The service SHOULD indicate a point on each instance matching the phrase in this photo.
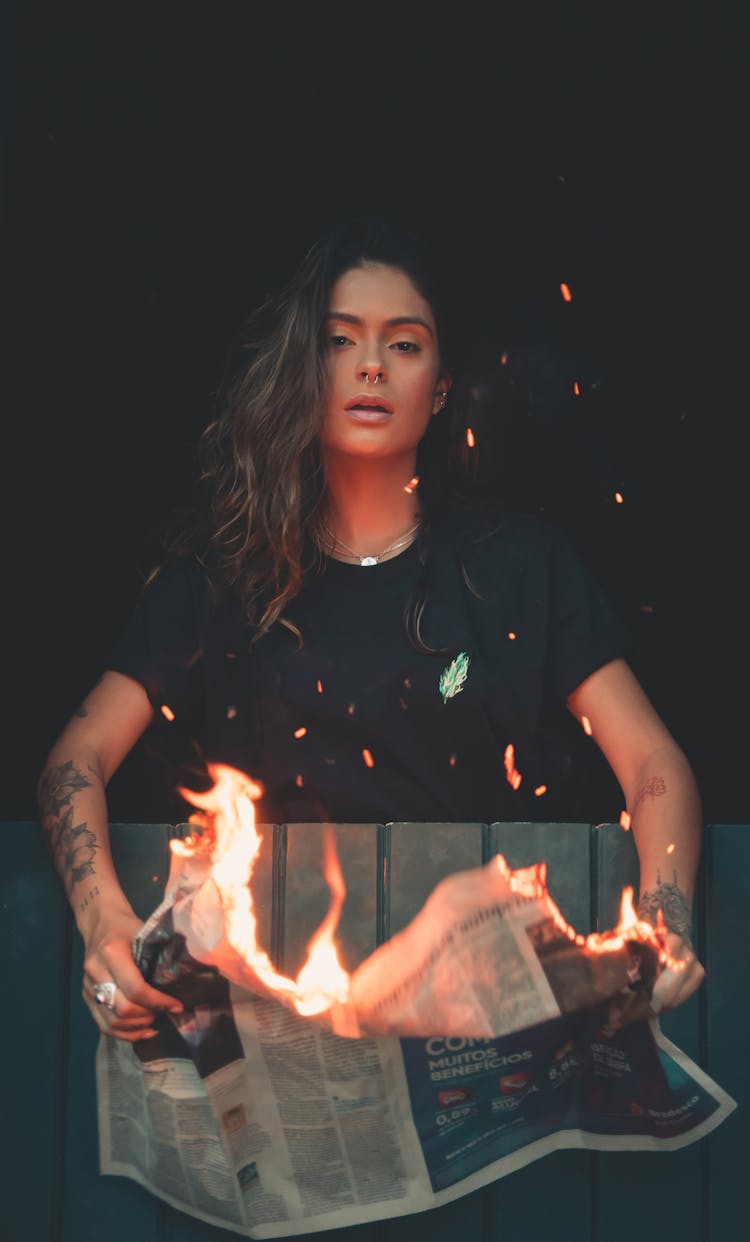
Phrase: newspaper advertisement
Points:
(250, 1116)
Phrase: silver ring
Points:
(104, 994)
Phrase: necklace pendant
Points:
(368, 560)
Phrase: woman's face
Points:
(380, 329)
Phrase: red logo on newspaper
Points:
(454, 1095)
(512, 1083)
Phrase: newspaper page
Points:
(250, 1116)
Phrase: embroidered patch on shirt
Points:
(453, 677)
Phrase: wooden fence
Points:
(53, 1191)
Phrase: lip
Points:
(371, 417)
(368, 400)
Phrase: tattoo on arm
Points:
(674, 908)
(654, 788)
(73, 846)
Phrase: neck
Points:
(368, 508)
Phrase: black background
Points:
(164, 164)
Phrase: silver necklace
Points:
(373, 560)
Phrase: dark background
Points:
(166, 163)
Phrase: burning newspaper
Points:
(484, 1035)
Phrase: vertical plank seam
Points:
(163, 1229)
(486, 844)
(61, 1112)
(383, 883)
(594, 925)
(704, 889)
(278, 895)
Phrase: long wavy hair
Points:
(261, 515)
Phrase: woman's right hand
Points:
(109, 958)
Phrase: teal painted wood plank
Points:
(307, 896)
(515, 1207)
(140, 854)
(728, 903)
(421, 855)
(33, 1034)
(565, 849)
(669, 1184)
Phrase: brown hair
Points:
(261, 518)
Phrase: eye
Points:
(406, 347)
(338, 340)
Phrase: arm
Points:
(73, 814)
(662, 799)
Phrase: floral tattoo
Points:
(73, 846)
(675, 909)
(654, 788)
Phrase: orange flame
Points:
(503, 359)
(514, 777)
(470, 437)
(167, 712)
(300, 732)
(512, 636)
(320, 686)
(532, 882)
(409, 487)
(625, 820)
(576, 389)
(565, 291)
(234, 843)
(540, 789)
(368, 758)
(586, 726)
(618, 497)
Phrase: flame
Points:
(576, 389)
(512, 636)
(368, 758)
(323, 978)
(167, 712)
(233, 841)
(470, 437)
(300, 732)
(586, 726)
(618, 497)
(513, 775)
(565, 291)
(670, 848)
(625, 820)
(320, 686)
(540, 789)
(532, 882)
(503, 359)
(409, 487)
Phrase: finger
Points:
(130, 982)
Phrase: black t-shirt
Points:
(356, 726)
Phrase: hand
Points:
(675, 986)
(109, 956)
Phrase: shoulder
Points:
(491, 530)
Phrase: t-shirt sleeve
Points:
(161, 645)
(585, 631)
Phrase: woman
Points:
(342, 623)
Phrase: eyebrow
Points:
(398, 322)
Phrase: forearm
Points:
(666, 819)
(73, 815)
